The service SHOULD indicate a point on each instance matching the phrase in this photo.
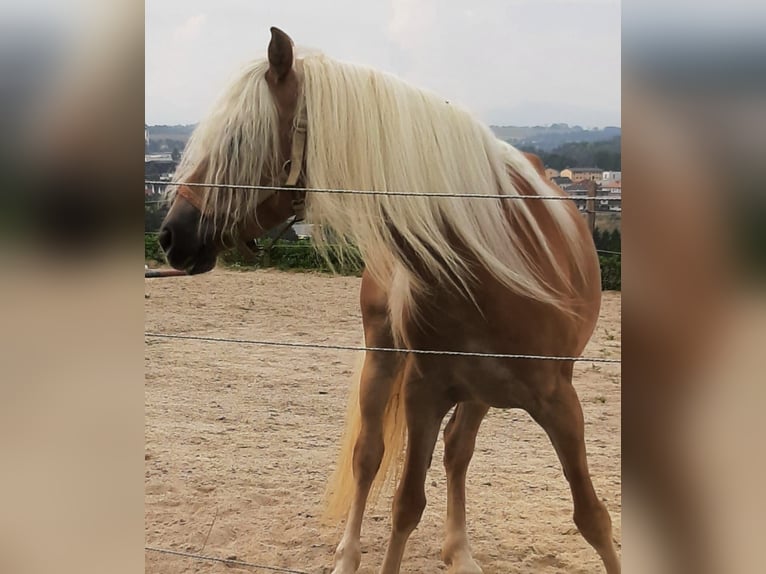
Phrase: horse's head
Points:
(247, 140)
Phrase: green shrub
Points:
(234, 258)
(611, 272)
(152, 249)
(302, 255)
(607, 240)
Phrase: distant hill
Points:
(178, 133)
(545, 138)
(166, 139)
(548, 138)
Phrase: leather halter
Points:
(297, 153)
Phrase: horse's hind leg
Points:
(378, 375)
(459, 441)
(424, 413)
(560, 414)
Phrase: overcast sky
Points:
(512, 62)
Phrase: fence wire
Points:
(226, 561)
(389, 193)
(331, 346)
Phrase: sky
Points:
(511, 62)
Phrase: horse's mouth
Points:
(201, 265)
(201, 262)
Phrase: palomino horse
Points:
(498, 276)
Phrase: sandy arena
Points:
(241, 439)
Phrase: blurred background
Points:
(694, 109)
(71, 348)
(694, 243)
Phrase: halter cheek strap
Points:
(297, 154)
(296, 166)
(250, 248)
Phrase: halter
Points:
(297, 152)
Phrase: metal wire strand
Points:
(227, 561)
(379, 349)
(397, 193)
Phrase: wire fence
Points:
(390, 193)
(381, 349)
(226, 561)
(332, 346)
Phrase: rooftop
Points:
(561, 179)
(157, 157)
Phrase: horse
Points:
(506, 274)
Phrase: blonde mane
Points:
(368, 130)
(371, 131)
(235, 144)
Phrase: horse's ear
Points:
(280, 54)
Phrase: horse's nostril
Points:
(166, 239)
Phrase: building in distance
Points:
(578, 174)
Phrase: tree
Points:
(602, 154)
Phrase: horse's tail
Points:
(340, 489)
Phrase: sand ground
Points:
(240, 439)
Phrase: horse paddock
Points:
(241, 439)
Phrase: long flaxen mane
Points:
(235, 144)
(368, 130)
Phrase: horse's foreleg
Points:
(424, 413)
(459, 442)
(560, 414)
(377, 379)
